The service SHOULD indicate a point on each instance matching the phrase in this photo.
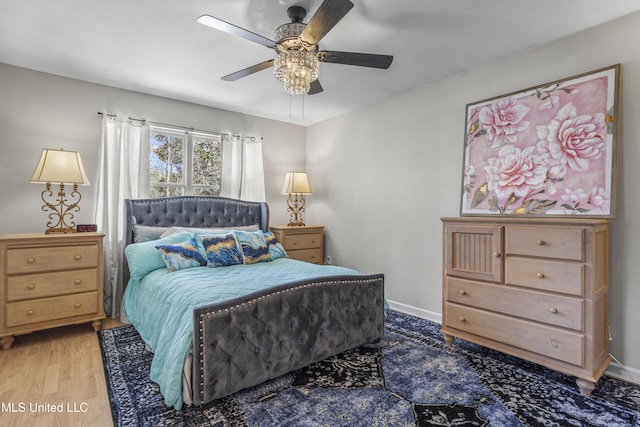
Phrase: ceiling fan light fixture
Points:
(296, 69)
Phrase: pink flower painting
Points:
(546, 150)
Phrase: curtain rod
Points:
(188, 129)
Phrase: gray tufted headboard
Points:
(191, 211)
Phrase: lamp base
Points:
(60, 209)
(295, 203)
(60, 230)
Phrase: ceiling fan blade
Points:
(316, 87)
(358, 59)
(221, 25)
(325, 18)
(248, 71)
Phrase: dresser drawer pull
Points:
(295, 242)
(496, 254)
(77, 257)
(540, 275)
(540, 242)
(77, 305)
(553, 343)
(553, 310)
(462, 292)
(31, 286)
(77, 282)
(31, 260)
(462, 319)
(313, 240)
(31, 312)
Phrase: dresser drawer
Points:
(537, 306)
(41, 310)
(303, 241)
(32, 286)
(31, 260)
(544, 340)
(548, 242)
(556, 276)
(307, 255)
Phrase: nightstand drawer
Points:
(307, 255)
(42, 310)
(548, 242)
(31, 260)
(32, 286)
(303, 241)
(552, 342)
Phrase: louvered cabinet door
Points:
(473, 252)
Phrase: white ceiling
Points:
(157, 47)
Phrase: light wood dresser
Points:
(49, 281)
(304, 243)
(537, 289)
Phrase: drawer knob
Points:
(31, 286)
(462, 292)
(77, 305)
(553, 310)
(313, 256)
(77, 257)
(31, 312)
(313, 240)
(295, 242)
(540, 275)
(540, 242)
(462, 319)
(31, 260)
(77, 281)
(553, 343)
(496, 254)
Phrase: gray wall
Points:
(385, 175)
(39, 110)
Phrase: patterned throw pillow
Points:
(221, 249)
(182, 255)
(276, 250)
(254, 246)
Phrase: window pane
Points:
(207, 165)
(164, 191)
(167, 157)
(206, 191)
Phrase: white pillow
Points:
(175, 230)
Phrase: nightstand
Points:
(302, 243)
(49, 280)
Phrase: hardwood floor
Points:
(55, 378)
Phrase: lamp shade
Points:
(59, 166)
(296, 183)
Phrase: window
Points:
(184, 163)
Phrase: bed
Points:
(215, 331)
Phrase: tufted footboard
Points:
(252, 339)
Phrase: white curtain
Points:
(123, 173)
(242, 169)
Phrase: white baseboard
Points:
(615, 370)
(414, 311)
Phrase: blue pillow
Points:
(221, 249)
(144, 258)
(254, 246)
(182, 255)
(276, 250)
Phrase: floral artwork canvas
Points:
(547, 150)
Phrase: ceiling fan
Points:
(297, 54)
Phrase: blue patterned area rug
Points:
(409, 379)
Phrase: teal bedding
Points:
(161, 304)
